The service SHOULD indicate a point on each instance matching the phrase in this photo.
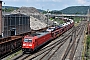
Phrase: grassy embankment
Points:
(87, 53)
(13, 55)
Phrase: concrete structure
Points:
(15, 24)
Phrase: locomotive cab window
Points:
(27, 40)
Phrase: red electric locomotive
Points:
(31, 43)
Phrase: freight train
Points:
(31, 42)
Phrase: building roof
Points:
(39, 34)
(10, 14)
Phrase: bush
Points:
(88, 40)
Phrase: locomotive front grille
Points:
(26, 50)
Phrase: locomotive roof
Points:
(39, 34)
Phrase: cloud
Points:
(15, 0)
(56, 0)
(10, 0)
(48, 0)
(27, 0)
(81, 1)
(32, 1)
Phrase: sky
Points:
(46, 4)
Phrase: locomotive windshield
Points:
(27, 40)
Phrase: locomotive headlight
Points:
(30, 45)
(24, 44)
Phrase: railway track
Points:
(50, 53)
(48, 49)
(23, 56)
(45, 50)
(76, 43)
(15, 50)
(16, 40)
(53, 51)
(71, 49)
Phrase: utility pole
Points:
(4, 7)
(47, 17)
(42, 10)
(88, 18)
(0, 19)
